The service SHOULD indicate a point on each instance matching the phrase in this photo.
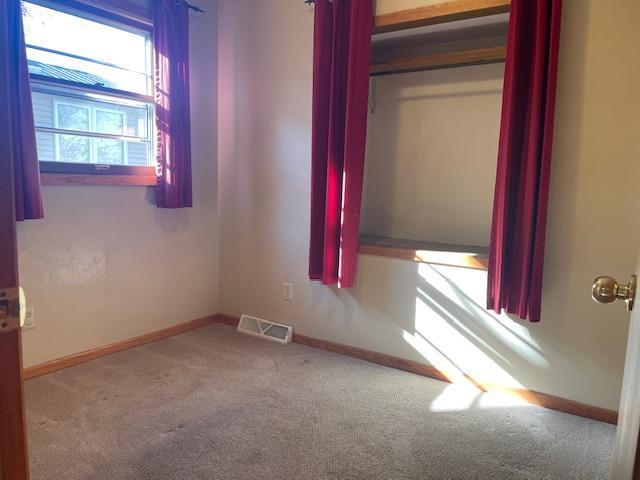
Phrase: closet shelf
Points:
(462, 58)
(466, 256)
(450, 11)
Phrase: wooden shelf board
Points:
(450, 11)
(476, 56)
(466, 256)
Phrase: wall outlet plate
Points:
(29, 319)
(287, 291)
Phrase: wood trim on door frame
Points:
(14, 456)
(14, 453)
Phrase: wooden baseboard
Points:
(227, 320)
(530, 396)
(71, 360)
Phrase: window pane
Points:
(54, 147)
(72, 117)
(73, 149)
(66, 33)
(59, 67)
(109, 122)
(113, 117)
(56, 110)
(109, 56)
(110, 152)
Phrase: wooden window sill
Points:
(60, 173)
(88, 179)
(464, 256)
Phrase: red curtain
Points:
(341, 62)
(524, 159)
(171, 44)
(16, 109)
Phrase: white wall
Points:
(106, 264)
(397, 307)
(431, 155)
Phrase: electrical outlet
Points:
(29, 319)
(287, 291)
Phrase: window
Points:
(84, 118)
(92, 90)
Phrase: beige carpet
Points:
(214, 404)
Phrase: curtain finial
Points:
(195, 8)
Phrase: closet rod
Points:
(461, 58)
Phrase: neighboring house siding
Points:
(137, 154)
(43, 116)
(43, 112)
(46, 147)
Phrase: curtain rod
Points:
(195, 8)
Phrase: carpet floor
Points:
(215, 404)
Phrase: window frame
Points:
(69, 173)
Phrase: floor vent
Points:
(258, 327)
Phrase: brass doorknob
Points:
(608, 290)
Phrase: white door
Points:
(607, 290)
